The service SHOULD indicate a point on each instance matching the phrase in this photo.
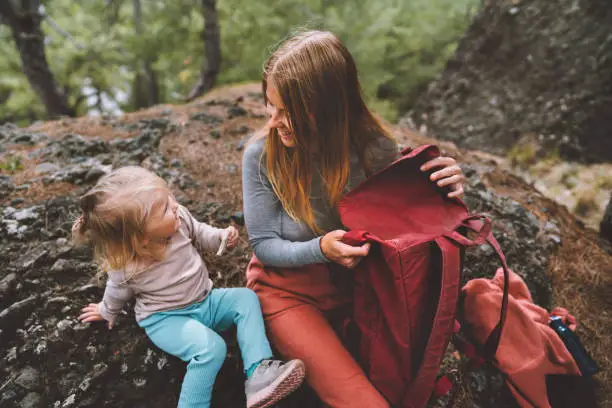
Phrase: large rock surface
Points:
(605, 227)
(49, 359)
(533, 69)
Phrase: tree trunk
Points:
(212, 51)
(533, 70)
(29, 39)
(150, 91)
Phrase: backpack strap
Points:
(419, 391)
(481, 225)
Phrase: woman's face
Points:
(279, 118)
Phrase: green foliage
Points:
(523, 153)
(604, 181)
(19, 102)
(399, 46)
(11, 164)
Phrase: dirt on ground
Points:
(205, 139)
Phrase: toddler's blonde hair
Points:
(115, 213)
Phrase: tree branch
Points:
(61, 31)
(7, 13)
(112, 9)
(150, 91)
(212, 51)
(29, 40)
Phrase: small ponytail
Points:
(79, 230)
(81, 224)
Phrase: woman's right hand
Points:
(337, 251)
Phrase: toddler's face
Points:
(164, 220)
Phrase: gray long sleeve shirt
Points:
(178, 281)
(276, 238)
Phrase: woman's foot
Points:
(272, 381)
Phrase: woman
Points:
(320, 142)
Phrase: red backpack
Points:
(407, 290)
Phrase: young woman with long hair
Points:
(321, 141)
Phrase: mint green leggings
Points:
(190, 334)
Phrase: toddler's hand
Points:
(229, 239)
(232, 236)
(91, 313)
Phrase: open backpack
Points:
(408, 299)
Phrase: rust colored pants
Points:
(296, 304)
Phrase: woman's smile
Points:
(286, 135)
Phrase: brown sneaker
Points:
(272, 381)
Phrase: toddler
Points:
(148, 244)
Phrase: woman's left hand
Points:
(449, 175)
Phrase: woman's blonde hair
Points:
(316, 78)
(115, 213)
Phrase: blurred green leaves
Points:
(94, 51)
